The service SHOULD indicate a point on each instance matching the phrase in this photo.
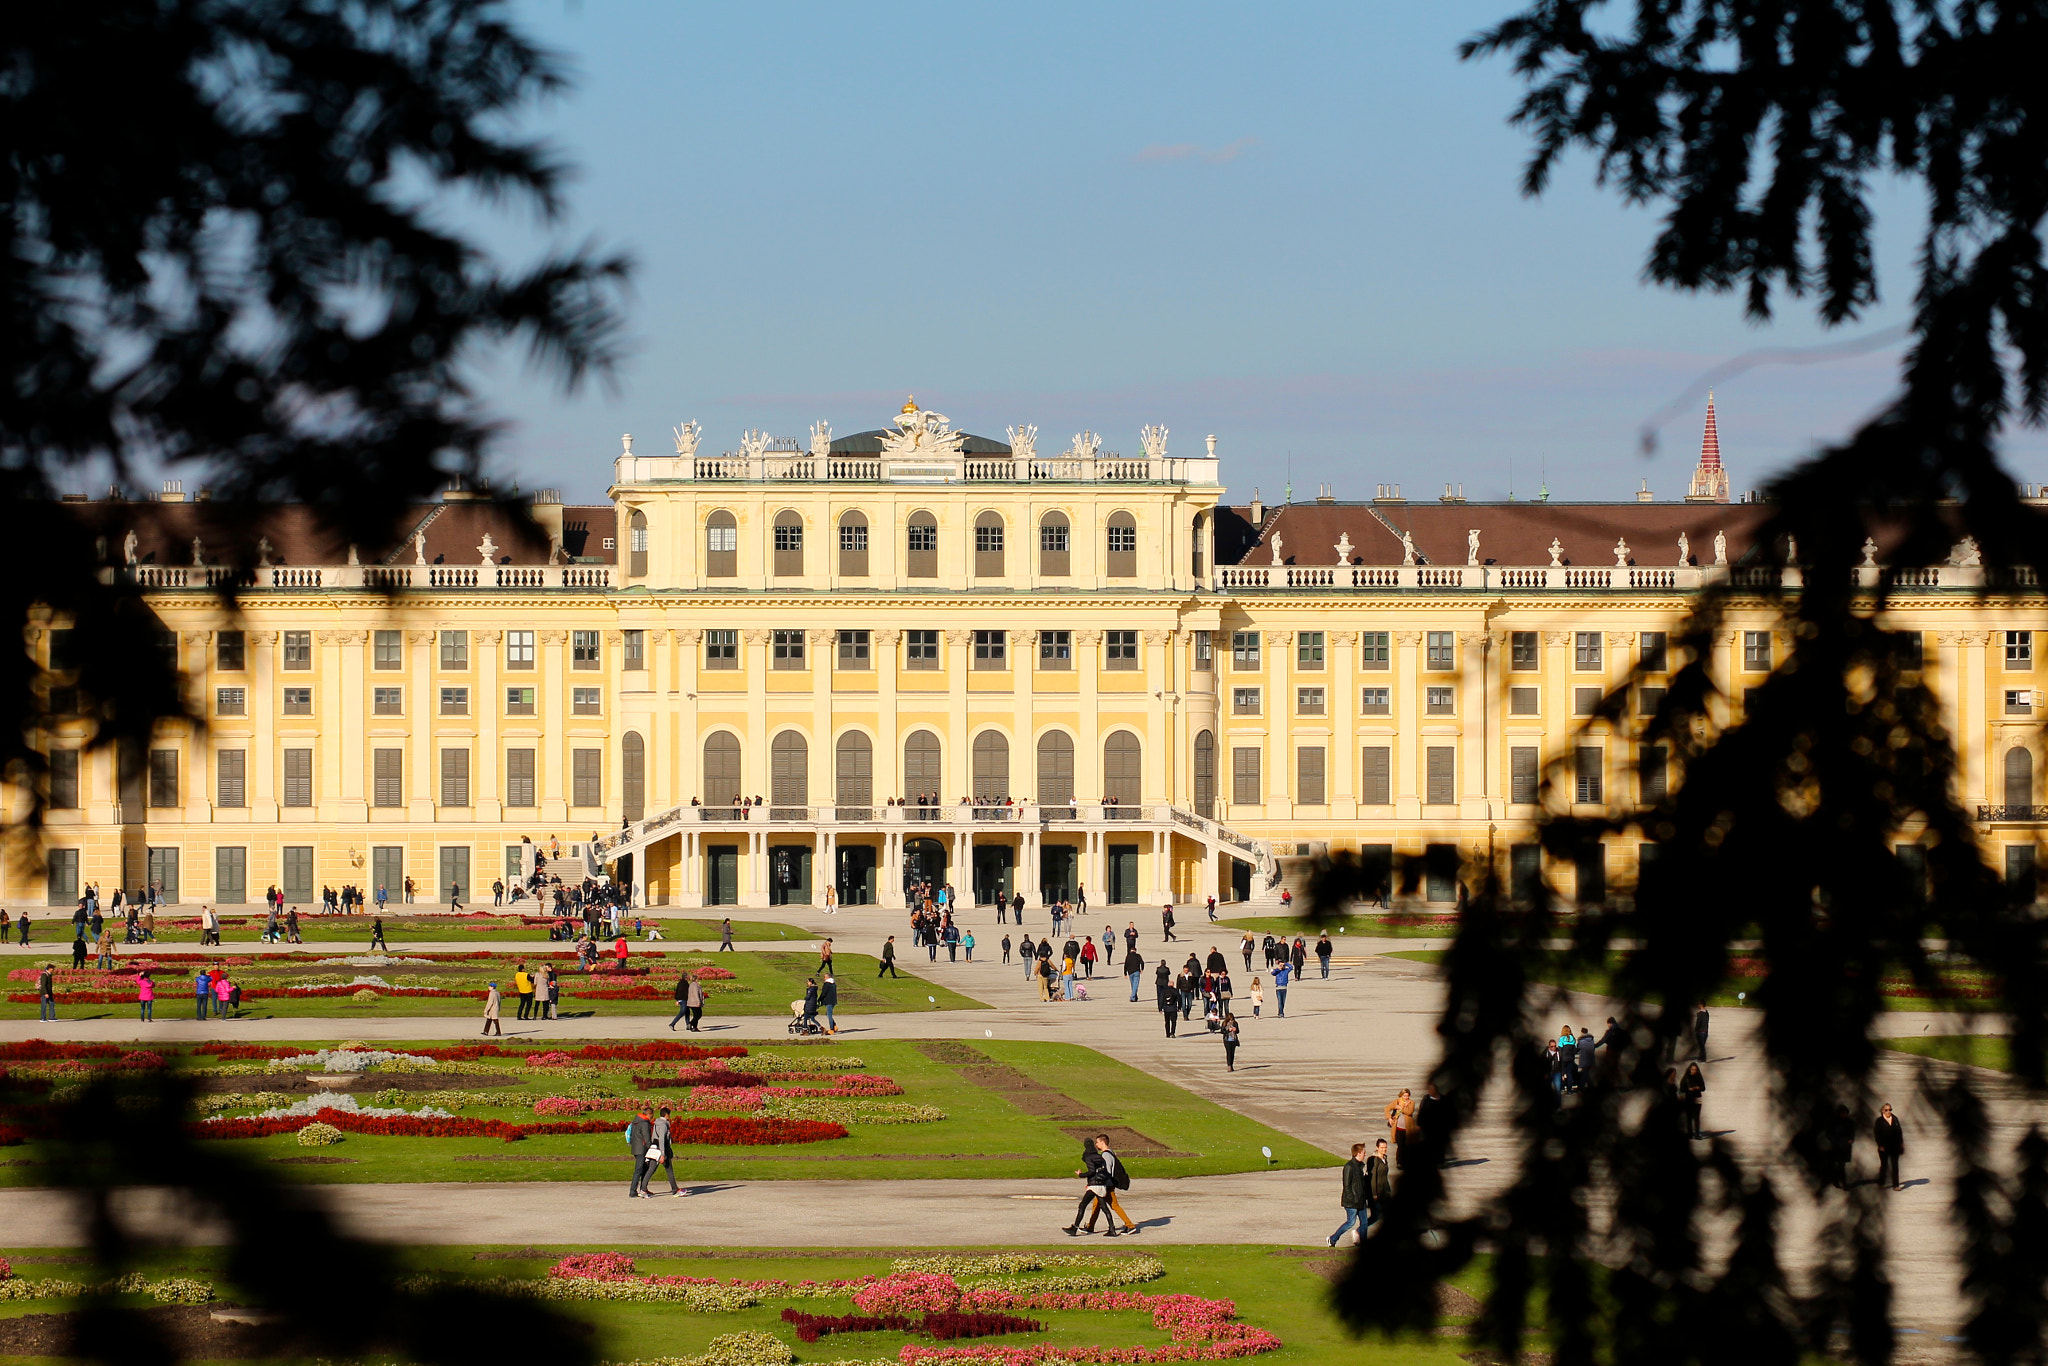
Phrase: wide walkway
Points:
(1324, 1074)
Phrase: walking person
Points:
(1094, 1188)
(682, 995)
(46, 993)
(1400, 1111)
(491, 1001)
(725, 937)
(226, 995)
(1379, 1185)
(202, 993)
(1324, 948)
(1258, 997)
(1116, 1178)
(522, 987)
(1134, 967)
(1691, 1088)
(888, 966)
(967, 945)
(1283, 973)
(1166, 922)
(1230, 1033)
(1351, 1196)
(1699, 1029)
(145, 995)
(646, 1155)
(455, 896)
(1891, 1146)
(377, 934)
(552, 991)
(1247, 946)
(694, 1000)
(828, 997)
(663, 1139)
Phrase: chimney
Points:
(1387, 493)
(1258, 508)
(1643, 494)
(1450, 497)
(174, 491)
(1323, 494)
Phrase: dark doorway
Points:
(624, 875)
(856, 875)
(1440, 872)
(1525, 873)
(1376, 868)
(994, 865)
(1240, 880)
(1059, 869)
(789, 874)
(721, 875)
(1123, 874)
(923, 861)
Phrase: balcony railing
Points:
(1595, 578)
(381, 577)
(772, 466)
(2013, 815)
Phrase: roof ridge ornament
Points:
(821, 439)
(1153, 439)
(1023, 441)
(687, 437)
(922, 434)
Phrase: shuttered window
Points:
(1122, 776)
(298, 777)
(1376, 776)
(1056, 769)
(1205, 774)
(1309, 786)
(633, 775)
(387, 784)
(721, 768)
(991, 766)
(921, 765)
(1244, 776)
(519, 785)
(586, 777)
(1586, 762)
(1522, 774)
(789, 772)
(853, 771)
(231, 772)
(1654, 769)
(163, 777)
(455, 777)
(1441, 787)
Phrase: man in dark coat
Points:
(1168, 998)
(640, 1138)
(1379, 1184)
(1352, 1194)
(888, 959)
(1134, 967)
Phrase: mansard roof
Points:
(1509, 533)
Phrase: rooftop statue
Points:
(1472, 546)
(687, 437)
(1023, 442)
(1407, 547)
(1087, 445)
(1684, 550)
(1153, 439)
(922, 435)
(821, 439)
(1720, 547)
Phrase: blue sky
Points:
(1296, 227)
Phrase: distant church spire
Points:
(1709, 479)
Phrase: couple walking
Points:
(1106, 1176)
(1368, 1185)
(648, 1139)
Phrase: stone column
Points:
(754, 765)
(686, 746)
(959, 743)
(1088, 745)
(662, 789)
(265, 707)
(423, 794)
(551, 749)
(344, 757)
(1277, 706)
(197, 796)
(1341, 764)
(1408, 721)
(487, 787)
(888, 730)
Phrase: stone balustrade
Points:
(784, 467)
(376, 577)
(1602, 578)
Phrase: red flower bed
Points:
(42, 1050)
(714, 1132)
(944, 1325)
(654, 1050)
(10, 1135)
(643, 992)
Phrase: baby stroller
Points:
(801, 1023)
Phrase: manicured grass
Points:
(772, 979)
(1739, 992)
(984, 1134)
(53, 932)
(1978, 1050)
(1277, 1289)
(1372, 926)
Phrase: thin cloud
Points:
(1194, 151)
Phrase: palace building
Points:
(917, 652)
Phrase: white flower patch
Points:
(308, 1106)
(349, 1060)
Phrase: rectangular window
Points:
(722, 540)
(298, 649)
(1586, 652)
(1308, 650)
(454, 701)
(1441, 650)
(922, 538)
(230, 701)
(61, 874)
(586, 701)
(586, 777)
(853, 538)
(519, 789)
(854, 647)
(63, 649)
(1056, 650)
(2019, 701)
(167, 647)
(1912, 650)
(1377, 650)
(1376, 776)
(1376, 701)
(231, 874)
(1585, 701)
(1244, 776)
(633, 651)
(163, 777)
(455, 777)
(1244, 650)
(387, 702)
(721, 649)
(229, 653)
(298, 777)
(455, 649)
(788, 647)
(1244, 701)
(920, 648)
(387, 777)
(988, 540)
(1123, 540)
(519, 649)
(586, 650)
(298, 701)
(1653, 773)
(1586, 773)
(1309, 702)
(1756, 652)
(1648, 700)
(1524, 701)
(231, 777)
(519, 702)
(1524, 775)
(1439, 701)
(2019, 649)
(64, 780)
(991, 648)
(1120, 649)
(1654, 647)
(1522, 651)
(1052, 538)
(1205, 651)
(1440, 775)
(388, 649)
(1591, 873)
(1309, 787)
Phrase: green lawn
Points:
(1978, 1050)
(983, 1130)
(1275, 1288)
(1737, 992)
(54, 931)
(771, 981)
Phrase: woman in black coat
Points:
(1891, 1146)
(1691, 1088)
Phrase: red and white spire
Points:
(1709, 479)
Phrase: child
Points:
(1258, 997)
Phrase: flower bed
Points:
(710, 1132)
(944, 1326)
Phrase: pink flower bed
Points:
(617, 1266)
(919, 1292)
(727, 1097)
(558, 1105)
(556, 1059)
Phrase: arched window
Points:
(988, 546)
(1122, 775)
(1197, 535)
(789, 775)
(991, 766)
(921, 547)
(853, 545)
(721, 768)
(1055, 558)
(1205, 774)
(633, 769)
(2019, 776)
(636, 541)
(1121, 546)
(789, 544)
(1055, 769)
(921, 765)
(853, 774)
(721, 546)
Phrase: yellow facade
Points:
(829, 632)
